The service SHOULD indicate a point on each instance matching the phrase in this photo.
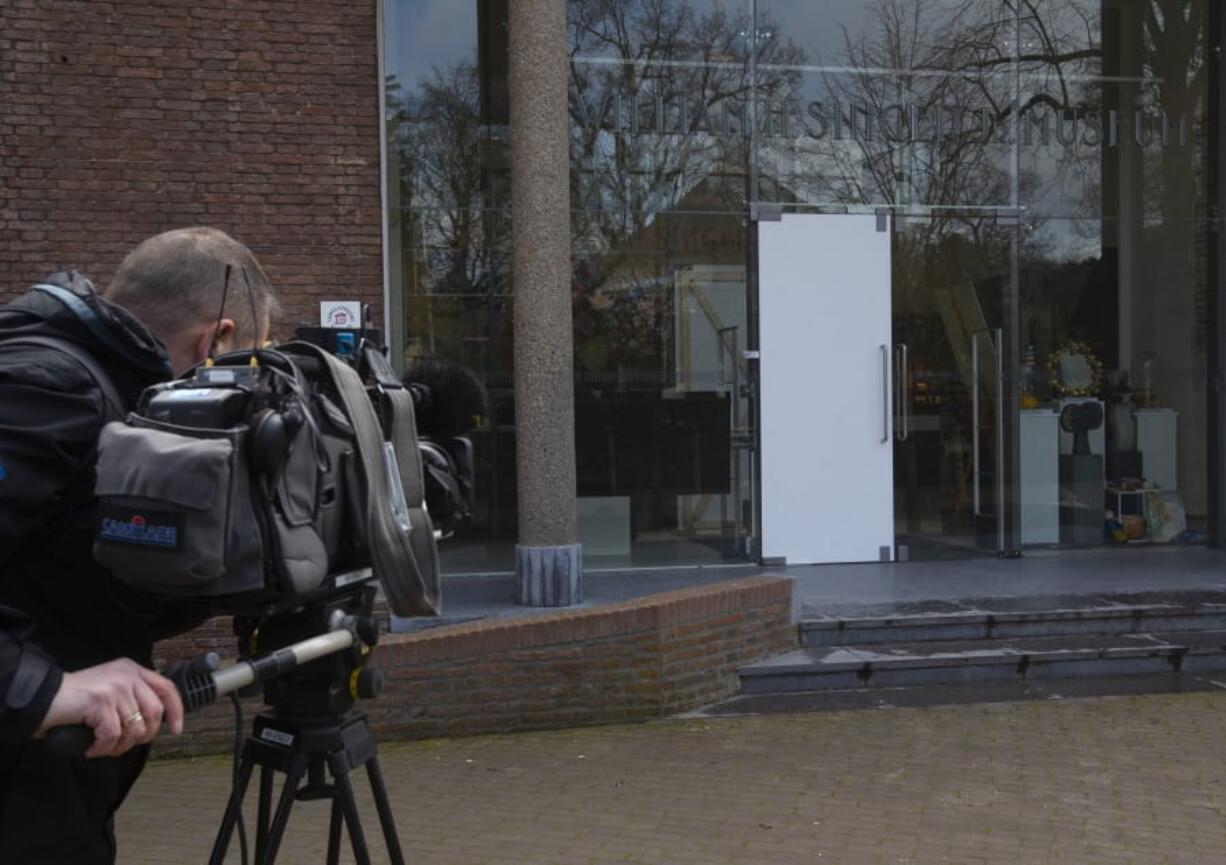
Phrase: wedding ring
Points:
(133, 718)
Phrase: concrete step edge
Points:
(1033, 669)
(971, 617)
(866, 696)
(982, 659)
(1162, 646)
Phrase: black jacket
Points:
(56, 605)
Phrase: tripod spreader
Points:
(200, 682)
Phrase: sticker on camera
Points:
(277, 737)
(137, 527)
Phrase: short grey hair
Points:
(175, 280)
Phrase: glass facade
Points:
(1043, 167)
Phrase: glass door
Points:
(953, 365)
(912, 111)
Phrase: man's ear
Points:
(217, 337)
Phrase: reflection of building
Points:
(710, 324)
(1080, 221)
(1088, 217)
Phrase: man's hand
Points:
(123, 702)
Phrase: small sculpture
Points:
(1080, 418)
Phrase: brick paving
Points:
(1137, 779)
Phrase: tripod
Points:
(311, 730)
(309, 748)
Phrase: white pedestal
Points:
(1157, 436)
(1040, 480)
(1098, 437)
(604, 525)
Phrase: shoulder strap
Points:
(110, 395)
(84, 314)
(403, 552)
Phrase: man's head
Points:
(173, 282)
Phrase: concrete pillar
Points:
(548, 557)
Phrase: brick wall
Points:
(647, 658)
(120, 119)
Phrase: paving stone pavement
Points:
(1117, 780)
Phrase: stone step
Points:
(969, 661)
(822, 631)
(954, 694)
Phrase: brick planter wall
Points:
(647, 658)
(125, 118)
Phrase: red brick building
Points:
(122, 119)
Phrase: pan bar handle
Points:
(885, 394)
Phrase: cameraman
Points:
(75, 645)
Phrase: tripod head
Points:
(327, 686)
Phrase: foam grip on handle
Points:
(71, 740)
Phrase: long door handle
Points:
(999, 333)
(902, 392)
(906, 393)
(974, 383)
(885, 394)
(996, 339)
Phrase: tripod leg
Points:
(230, 819)
(385, 811)
(293, 778)
(334, 834)
(265, 806)
(349, 807)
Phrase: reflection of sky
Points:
(817, 25)
(423, 34)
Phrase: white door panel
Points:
(827, 454)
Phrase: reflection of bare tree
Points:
(660, 95)
(936, 92)
(1147, 64)
(926, 110)
(1176, 67)
(1173, 319)
(960, 103)
(437, 137)
(453, 241)
(927, 120)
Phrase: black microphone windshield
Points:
(457, 399)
